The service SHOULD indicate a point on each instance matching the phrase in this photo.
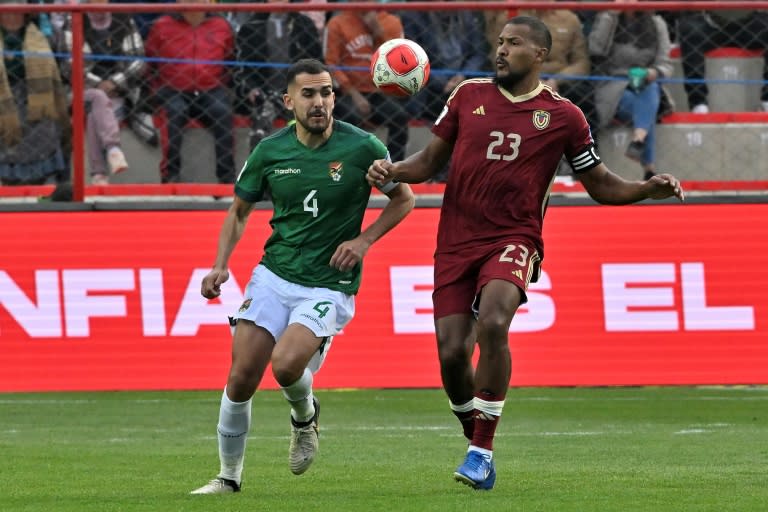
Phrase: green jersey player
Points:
(302, 291)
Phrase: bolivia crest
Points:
(245, 305)
(335, 170)
(540, 119)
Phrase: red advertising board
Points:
(662, 294)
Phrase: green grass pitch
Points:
(557, 450)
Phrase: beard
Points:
(509, 80)
(313, 124)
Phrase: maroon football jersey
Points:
(506, 151)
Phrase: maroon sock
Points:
(467, 420)
(485, 423)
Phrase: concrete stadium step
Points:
(717, 147)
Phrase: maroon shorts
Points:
(460, 277)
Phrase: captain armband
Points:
(585, 160)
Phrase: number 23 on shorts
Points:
(523, 260)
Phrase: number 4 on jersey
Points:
(311, 206)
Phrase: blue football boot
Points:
(478, 471)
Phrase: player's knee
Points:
(453, 351)
(241, 384)
(286, 376)
(285, 371)
(493, 328)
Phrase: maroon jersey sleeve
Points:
(447, 124)
(580, 148)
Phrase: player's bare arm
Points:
(231, 231)
(606, 187)
(350, 253)
(417, 168)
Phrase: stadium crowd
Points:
(154, 74)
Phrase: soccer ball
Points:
(400, 67)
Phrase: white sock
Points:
(234, 423)
(299, 395)
(493, 408)
(484, 451)
(465, 407)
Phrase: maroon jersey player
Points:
(506, 150)
(505, 137)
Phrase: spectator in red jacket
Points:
(196, 89)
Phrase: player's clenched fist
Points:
(211, 286)
(379, 172)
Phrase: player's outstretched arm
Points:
(231, 231)
(417, 168)
(606, 187)
(350, 253)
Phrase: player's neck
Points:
(313, 140)
(524, 86)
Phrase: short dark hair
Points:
(310, 66)
(539, 30)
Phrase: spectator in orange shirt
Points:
(351, 38)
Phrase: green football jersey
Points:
(319, 198)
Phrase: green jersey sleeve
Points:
(251, 183)
(378, 148)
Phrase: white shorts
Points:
(273, 303)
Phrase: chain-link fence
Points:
(183, 96)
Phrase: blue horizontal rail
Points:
(435, 71)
